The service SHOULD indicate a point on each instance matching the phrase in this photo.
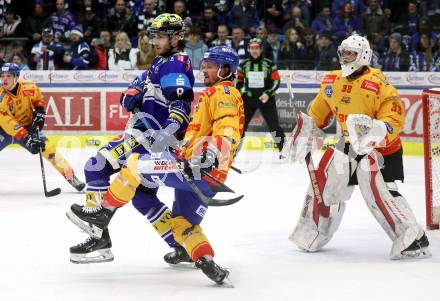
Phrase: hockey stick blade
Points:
(236, 169)
(53, 192)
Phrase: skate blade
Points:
(417, 254)
(227, 283)
(92, 230)
(99, 256)
(183, 266)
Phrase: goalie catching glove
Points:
(306, 137)
(365, 133)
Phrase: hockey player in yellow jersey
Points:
(22, 114)
(371, 116)
(209, 146)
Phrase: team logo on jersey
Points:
(370, 86)
(346, 99)
(328, 91)
(329, 79)
(28, 93)
(201, 211)
(226, 105)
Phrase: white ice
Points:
(250, 238)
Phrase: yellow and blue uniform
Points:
(218, 119)
(369, 94)
(16, 111)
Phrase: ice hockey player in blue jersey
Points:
(162, 96)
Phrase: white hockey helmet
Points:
(361, 46)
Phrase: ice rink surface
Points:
(250, 238)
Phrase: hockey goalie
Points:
(371, 116)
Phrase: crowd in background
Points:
(298, 34)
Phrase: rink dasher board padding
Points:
(87, 103)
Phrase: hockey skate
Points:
(93, 250)
(76, 183)
(418, 249)
(91, 220)
(179, 258)
(214, 272)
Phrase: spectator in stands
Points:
(272, 13)
(62, 21)
(119, 19)
(375, 24)
(407, 23)
(223, 7)
(12, 24)
(327, 56)
(245, 16)
(345, 23)
(239, 44)
(106, 37)
(323, 21)
(195, 48)
(18, 59)
(91, 23)
(357, 5)
(310, 50)
(291, 50)
(222, 37)
(303, 5)
(180, 9)
(296, 20)
(209, 22)
(47, 54)
(274, 43)
(147, 15)
(424, 28)
(122, 56)
(78, 56)
(36, 22)
(146, 52)
(423, 57)
(396, 58)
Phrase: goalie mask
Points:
(359, 45)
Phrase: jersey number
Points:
(396, 108)
(346, 88)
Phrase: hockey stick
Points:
(55, 191)
(221, 186)
(237, 170)
(291, 94)
(190, 181)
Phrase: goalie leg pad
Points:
(318, 222)
(389, 208)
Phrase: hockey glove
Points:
(33, 144)
(365, 133)
(305, 138)
(131, 99)
(38, 118)
(162, 140)
(206, 161)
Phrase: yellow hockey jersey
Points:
(16, 111)
(370, 94)
(218, 119)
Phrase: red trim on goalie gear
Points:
(112, 200)
(376, 193)
(391, 148)
(202, 249)
(320, 209)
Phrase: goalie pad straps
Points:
(391, 210)
(318, 222)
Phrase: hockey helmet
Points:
(361, 46)
(10, 68)
(256, 41)
(167, 23)
(222, 55)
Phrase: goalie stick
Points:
(55, 191)
(190, 181)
